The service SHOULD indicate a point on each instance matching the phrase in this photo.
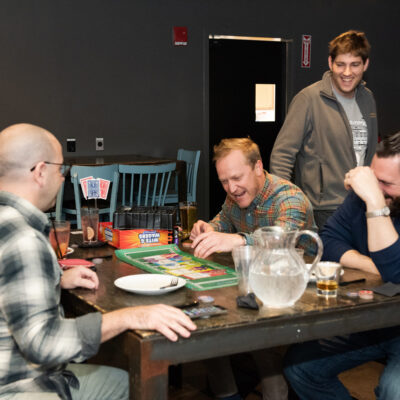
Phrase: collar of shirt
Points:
(35, 218)
(260, 197)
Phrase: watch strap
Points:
(383, 212)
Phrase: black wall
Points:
(107, 68)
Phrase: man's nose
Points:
(347, 70)
(232, 187)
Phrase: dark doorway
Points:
(248, 96)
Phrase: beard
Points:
(394, 206)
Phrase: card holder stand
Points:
(145, 218)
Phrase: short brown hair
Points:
(353, 42)
(389, 146)
(250, 149)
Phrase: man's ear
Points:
(366, 64)
(259, 168)
(39, 173)
(330, 62)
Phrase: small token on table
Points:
(352, 294)
(366, 294)
(205, 299)
(97, 260)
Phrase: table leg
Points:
(147, 379)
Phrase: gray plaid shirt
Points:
(36, 341)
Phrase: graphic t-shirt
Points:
(357, 124)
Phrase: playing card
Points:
(83, 182)
(104, 186)
(93, 188)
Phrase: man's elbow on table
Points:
(354, 259)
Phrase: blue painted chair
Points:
(143, 185)
(192, 159)
(77, 173)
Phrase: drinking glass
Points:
(90, 224)
(328, 275)
(59, 237)
(243, 257)
(188, 215)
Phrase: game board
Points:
(200, 274)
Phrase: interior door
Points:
(248, 96)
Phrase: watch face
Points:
(386, 211)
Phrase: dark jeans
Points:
(312, 368)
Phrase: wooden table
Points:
(134, 159)
(147, 355)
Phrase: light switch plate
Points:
(99, 144)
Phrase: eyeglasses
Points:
(63, 170)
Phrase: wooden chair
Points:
(192, 159)
(78, 172)
(143, 185)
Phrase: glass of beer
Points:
(59, 237)
(328, 275)
(188, 215)
(90, 224)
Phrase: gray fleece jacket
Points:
(315, 143)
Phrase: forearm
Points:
(113, 324)
(381, 233)
(356, 260)
(222, 223)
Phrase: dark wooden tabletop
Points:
(239, 330)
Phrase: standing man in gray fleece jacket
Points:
(331, 127)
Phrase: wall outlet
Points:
(71, 145)
(99, 143)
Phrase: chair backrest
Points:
(79, 172)
(148, 183)
(192, 159)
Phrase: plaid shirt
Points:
(35, 339)
(280, 203)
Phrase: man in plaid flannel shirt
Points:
(36, 342)
(254, 199)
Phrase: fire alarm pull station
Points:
(180, 36)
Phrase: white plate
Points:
(148, 284)
(70, 250)
(313, 277)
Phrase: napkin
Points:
(248, 301)
(388, 289)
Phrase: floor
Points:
(360, 382)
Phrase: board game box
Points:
(132, 238)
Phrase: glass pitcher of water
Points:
(278, 275)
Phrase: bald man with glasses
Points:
(37, 344)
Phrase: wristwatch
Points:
(383, 212)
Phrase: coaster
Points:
(388, 289)
(92, 244)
